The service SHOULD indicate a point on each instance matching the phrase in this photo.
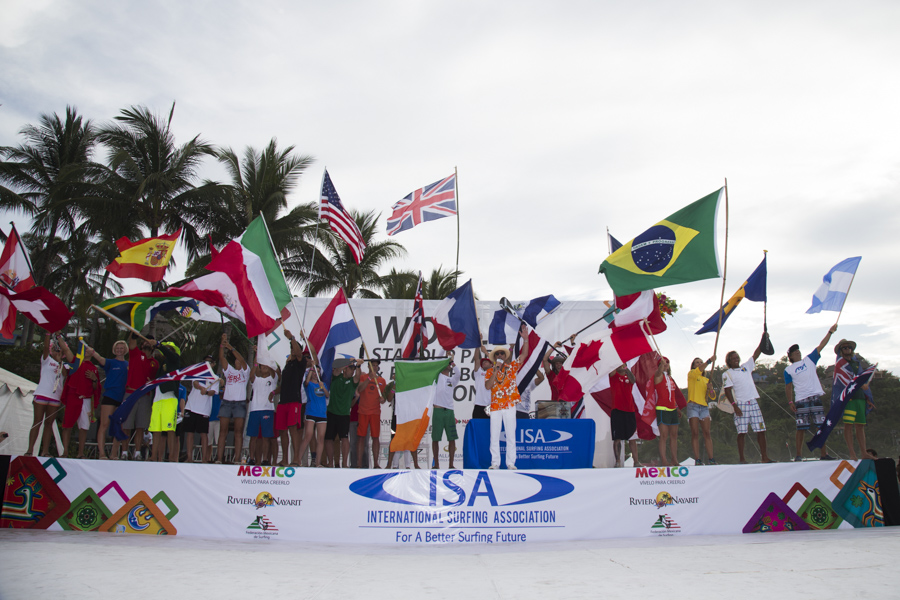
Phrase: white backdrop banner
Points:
(382, 324)
(423, 507)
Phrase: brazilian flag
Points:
(678, 249)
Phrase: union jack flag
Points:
(415, 339)
(200, 372)
(339, 220)
(429, 203)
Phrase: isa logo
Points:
(453, 488)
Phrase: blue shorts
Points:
(697, 411)
(233, 410)
(261, 423)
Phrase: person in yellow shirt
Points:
(698, 409)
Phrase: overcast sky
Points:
(563, 119)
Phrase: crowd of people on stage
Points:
(328, 425)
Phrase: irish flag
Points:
(414, 400)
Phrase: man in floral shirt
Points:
(501, 380)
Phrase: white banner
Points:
(382, 324)
(422, 507)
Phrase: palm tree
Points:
(335, 267)
(49, 175)
(158, 179)
(399, 285)
(440, 284)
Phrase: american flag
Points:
(429, 203)
(332, 210)
(415, 339)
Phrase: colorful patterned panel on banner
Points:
(774, 515)
(87, 513)
(816, 510)
(142, 515)
(32, 499)
(859, 501)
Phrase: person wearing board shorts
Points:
(623, 417)
(740, 389)
(444, 418)
(482, 394)
(289, 412)
(261, 419)
(344, 379)
(371, 397)
(196, 416)
(142, 368)
(848, 365)
(802, 381)
(81, 395)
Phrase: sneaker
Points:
(124, 455)
(828, 457)
(137, 456)
(798, 459)
(698, 463)
(492, 468)
(712, 461)
(512, 468)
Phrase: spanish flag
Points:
(414, 400)
(144, 259)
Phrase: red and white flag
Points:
(15, 268)
(245, 270)
(339, 220)
(597, 356)
(415, 338)
(37, 304)
(637, 307)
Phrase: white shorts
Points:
(751, 416)
(213, 435)
(84, 419)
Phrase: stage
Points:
(459, 507)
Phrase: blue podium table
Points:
(540, 444)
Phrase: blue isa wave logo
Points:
(453, 488)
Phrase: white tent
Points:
(16, 412)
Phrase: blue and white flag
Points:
(504, 327)
(835, 285)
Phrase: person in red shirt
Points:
(667, 413)
(80, 397)
(142, 367)
(623, 419)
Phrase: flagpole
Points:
(456, 194)
(24, 250)
(724, 275)
(120, 322)
(608, 242)
(363, 342)
(845, 298)
(608, 312)
(312, 258)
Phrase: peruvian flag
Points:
(637, 307)
(37, 304)
(455, 321)
(254, 294)
(335, 326)
(15, 268)
(597, 356)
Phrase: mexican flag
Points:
(414, 400)
(256, 240)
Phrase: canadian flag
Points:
(598, 356)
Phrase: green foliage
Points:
(24, 362)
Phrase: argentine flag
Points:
(835, 285)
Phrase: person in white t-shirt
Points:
(49, 390)
(802, 381)
(482, 395)
(443, 416)
(261, 418)
(196, 416)
(740, 389)
(234, 400)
